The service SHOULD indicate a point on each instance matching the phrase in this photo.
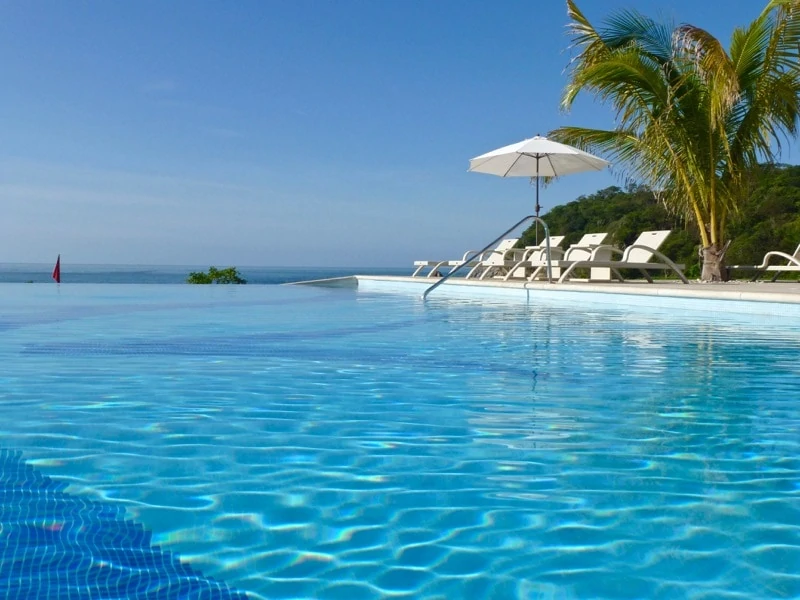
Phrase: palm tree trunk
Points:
(713, 263)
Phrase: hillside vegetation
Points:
(694, 116)
(768, 220)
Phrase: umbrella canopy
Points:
(536, 157)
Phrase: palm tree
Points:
(692, 119)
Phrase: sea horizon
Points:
(172, 274)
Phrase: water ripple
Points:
(450, 450)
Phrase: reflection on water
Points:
(330, 444)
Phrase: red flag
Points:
(57, 270)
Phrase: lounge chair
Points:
(511, 264)
(505, 253)
(635, 256)
(792, 264)
(536, 262)
(436, 266)
(585, 245)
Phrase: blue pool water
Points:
(326, 443)
(56, 545)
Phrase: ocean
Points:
(41, 273)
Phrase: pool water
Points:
(324, 443)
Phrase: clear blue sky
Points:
(283, 132)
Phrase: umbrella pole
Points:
(537, 199)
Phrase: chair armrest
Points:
(677, 269)
(653, 252)
(596, 250)
(469, 253)
(573, 249)
(604, 248)
(589, 251)
(540, 254)
(501, 253)
(515, 254)
(791, 260)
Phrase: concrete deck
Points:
(760, 291)
(763, 298)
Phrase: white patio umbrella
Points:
(536, 157)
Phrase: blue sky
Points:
(283, 132)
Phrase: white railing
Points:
(491, 245)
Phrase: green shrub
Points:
(214, 275)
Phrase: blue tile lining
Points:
(58, 546)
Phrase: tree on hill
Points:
(768, 219)
(692, 119)
(624, 214)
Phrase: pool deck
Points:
(759, 291)
(764, 297)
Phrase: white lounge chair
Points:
(559, 258)
(504, 253)
(536, 253)
(635, 256)
(513, 261)
(436, 266)
(792, 264)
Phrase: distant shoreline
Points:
(172, 274)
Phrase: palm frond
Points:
(629, 27)
(714, 67)
(588, 45)
(691, 117)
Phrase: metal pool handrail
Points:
(492, 245)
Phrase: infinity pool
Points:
(325, 443)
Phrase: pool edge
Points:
(781, 299)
